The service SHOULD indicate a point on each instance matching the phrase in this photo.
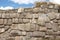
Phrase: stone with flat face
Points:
(38, 34)
(1, 21)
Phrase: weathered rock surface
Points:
(38, 23)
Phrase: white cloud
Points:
(55, 1)
(32, 1)
(25, 1)
(6, 8)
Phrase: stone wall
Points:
(30, 24)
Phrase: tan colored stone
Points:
(27, 27)
(17, 38)
(14, 26)
(29, 15)
(20, 9)
(24, 33)
(15, 20)
(21, 26)
(43, 29)
(26, 20)
(5, 21)
(38, 34)
(1, 21)
(9, 21)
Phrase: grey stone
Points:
(14, 33)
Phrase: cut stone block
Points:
(43, 29)
(1, 21)
(38, 34)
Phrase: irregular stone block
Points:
(29, 33)
(5, 21)
(17, 38)
(29, 15)
(43, 29)
(35, 15)
(27, 27)
(7, 15)
(38, 34)
(9, 21)
(1, 26)
(50, 6)
(13, 15)
(15, 20)
(22, 38)
(49, 32)
(20, 9)
(32, 27)
(21, 26)
(41, 21)
(23, 33)
(52, 15)
(20, 20)
(0, 15)
(14, 26)
(33, 21)
(36, 9)
(3, 15)
(1, 21)
(26, 20)
(11, 38)
(15, 33)
(48, 25)
(2, 30)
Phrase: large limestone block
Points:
(5, 21)
(24, 33)
(42, 19)
(20, 9)
(14, 33)
(29, 33)
(51, 15)
(38, 34)
(2, 30)
(49, 32)
(51, 6)
(27, 27)
(43, 29)
(15, 20)
(35, 15)
(32, 27)
(26, 20)
(1, 21)
(21, 27)
(57, 16)
(3, 15)
(13, 15)
(36, 9)
(20, 20)
(0, 15)
(9, 21)
(33, 21)
(29, 15)
(17, 38)
(14, 26)
(7, 15)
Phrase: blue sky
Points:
(11, 4)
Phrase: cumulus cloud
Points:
(6, 8)
(26, 1)
(55, 1)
